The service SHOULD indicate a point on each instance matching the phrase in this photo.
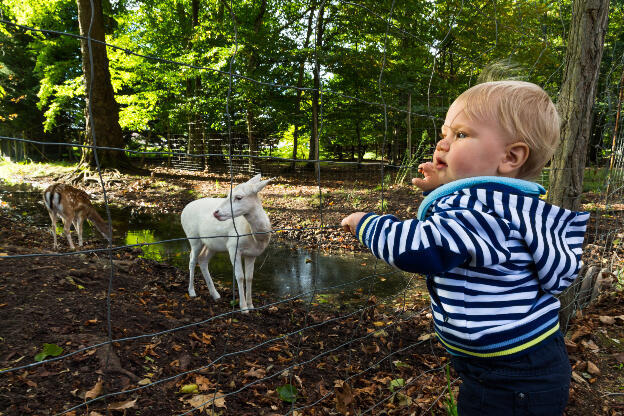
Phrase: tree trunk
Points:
(102, 111)
(251, 139)
(314, 138)
(618, 111)
(617, 121)
(252, 64)
(576, 98)
(360, 150)
(302, 61)
(408, 151)
(193, 89)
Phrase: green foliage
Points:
(49, 350)
(396, 384)
(288, 393)
(383, 206)
(451, 406)
(285, 145)
(432, 51)
(408, 166)
(595, 179)
(387, 180)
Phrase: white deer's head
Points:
(242, 200)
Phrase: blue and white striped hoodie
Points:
(494, 255)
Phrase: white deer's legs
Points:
(204, 258)
(237, 263)
(196, 247)
(249, 269)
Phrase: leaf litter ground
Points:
(328, 359)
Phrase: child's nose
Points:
(442, 145)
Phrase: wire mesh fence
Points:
(128, 336)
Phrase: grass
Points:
(451, 405)
(594, 178)
(9, 169)
(351, 196)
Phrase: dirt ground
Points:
(173, 353)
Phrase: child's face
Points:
(468, 148)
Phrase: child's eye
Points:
(461, 135)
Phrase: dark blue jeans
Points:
(536, 383)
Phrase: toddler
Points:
(495, 254)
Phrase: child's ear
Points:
(516, 154)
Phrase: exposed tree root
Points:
(87, 177)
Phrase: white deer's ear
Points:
(255, 178)
(260, 185)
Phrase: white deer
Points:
(237, 224)
(73, 206)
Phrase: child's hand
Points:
(430, 181)
(350, 223)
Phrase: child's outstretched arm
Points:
(437, 244)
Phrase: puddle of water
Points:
(282, 270)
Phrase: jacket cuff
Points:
(361, 229)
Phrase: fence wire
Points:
(389, 330)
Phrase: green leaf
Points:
(396, 383)
(49, 350)
(189, 388)
(400, 364)
(287, 393)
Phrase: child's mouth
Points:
(440, 164)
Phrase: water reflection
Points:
(282, 270)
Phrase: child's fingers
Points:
(345, 224)
(351, 222)
(425, 184)
(426, 167)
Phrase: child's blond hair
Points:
(524, 111)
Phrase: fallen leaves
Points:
(344, 397)
(205, 402)
(205, 339)
(95, 391)
(127, 404)
(189, 388)
(255, 373)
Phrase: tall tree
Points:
(252, 65)
(576, 99)
(575, 105)
(314, 137)
(300, 78)
(102, 111)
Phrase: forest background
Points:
(299, 66)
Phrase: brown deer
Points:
(73, 206)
